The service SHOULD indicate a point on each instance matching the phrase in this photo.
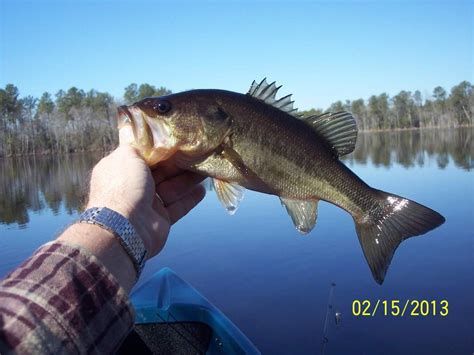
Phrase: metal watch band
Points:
(122, 229)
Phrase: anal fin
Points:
(302, 213)
(229, 194)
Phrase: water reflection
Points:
(415, 148)
(31, 184)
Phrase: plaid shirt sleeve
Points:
(62, 300)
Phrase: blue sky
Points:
(320, 51)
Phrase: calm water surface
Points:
(274, 283)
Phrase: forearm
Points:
(63, 300)
(71, 296)
(104, 246)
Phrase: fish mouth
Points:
(152, 137)
(124, 116)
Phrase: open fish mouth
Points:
(152, 137)
(125, 117)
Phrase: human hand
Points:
(124, 183)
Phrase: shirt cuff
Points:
(63, 299)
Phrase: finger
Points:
(165, 170)
(173, 189)
(159, 206)
(180, 208)
(126, 135)
(126, 149)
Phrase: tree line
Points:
(36, 183)
(76, 120)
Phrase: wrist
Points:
(122, 229)
(104, 246)
(133, 215)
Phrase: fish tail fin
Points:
(390, 220)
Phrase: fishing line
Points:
(325, 339)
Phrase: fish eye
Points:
(162, 106)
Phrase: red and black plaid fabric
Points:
(62, 300)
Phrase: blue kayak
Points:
(172, 317)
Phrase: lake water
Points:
(274, 283)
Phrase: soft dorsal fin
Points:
(339, 129)
(267, 93)
(302, 213)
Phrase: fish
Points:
(259, 142)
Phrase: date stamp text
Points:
(399, 308)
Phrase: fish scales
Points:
(288, 156)
(259, 142)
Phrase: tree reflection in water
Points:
(415, 147)
(32, 184)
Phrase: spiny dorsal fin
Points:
(339, 129)
(229, 194)
(267, 93)
(302, 213)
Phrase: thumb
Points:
(126, 136)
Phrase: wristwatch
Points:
(122, 229)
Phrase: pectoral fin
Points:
(234, 158)
(229, 194)
(302, 213)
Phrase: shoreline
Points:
(50, 153)
(412, 129)
(367, 131)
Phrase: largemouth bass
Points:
(258, 142)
